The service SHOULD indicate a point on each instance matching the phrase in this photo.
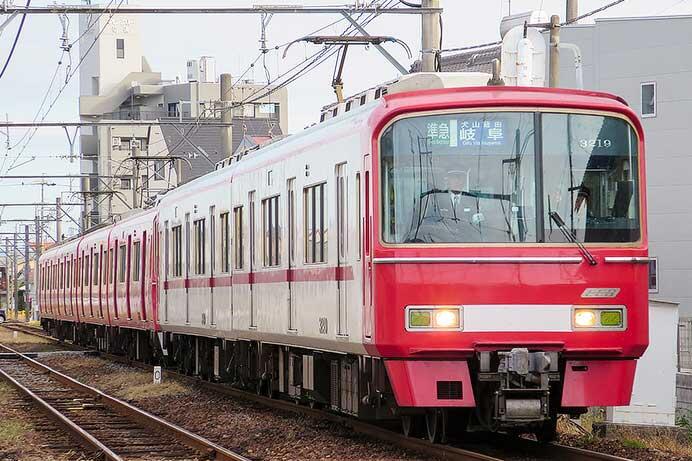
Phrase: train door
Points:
(166, 268)
(291, 208)
(212, 260)
(367, 250)
(142, 269)
(251, 222)
(342, 319)
(187, 267)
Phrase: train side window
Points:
(239, 237)
(61, 275)
(95, 268)
(85, 265)
(359, 217)
(315, 224)
(198, 244)
(166, 250)
(111, 271)
(341, 209)
(225, 247)
(122, 263)
(291, 222)
(136, 260)
(251, 222)
(270, 231)
(177, 251)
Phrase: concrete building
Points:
(648, 62)
(132, 164)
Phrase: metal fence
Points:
(685, 344)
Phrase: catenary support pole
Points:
(431, 37)
(15, 291)
(572, 10)
(58, 222)
(27, 273)
(7, 273)
(226, 115)
(554, 79)
(36, 314)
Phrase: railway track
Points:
(108, 427)
(509, 447)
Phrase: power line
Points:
(87, 9)
(16, 39)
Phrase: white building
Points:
(117, 83)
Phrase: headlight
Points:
(600, 317)
(440, 318)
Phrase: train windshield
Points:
(495, 177)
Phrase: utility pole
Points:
(27, 272)
(37, 255)
(226, 115)
(58, 223)
(572, 10)
(135, 172)
(431, 37)
(15, 292)
(554, 79)
(7, 273)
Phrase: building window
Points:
(238, 234)
(348, 106)
(120, 48)
(177, 251)
(315, 224)
(270, 231)
(249, 110)
(199, 254)
(136, 258)
(653, 275)
(126, 183)
(225, 247)
(266, 110)
(173, 109)
(649, 99)
(159, 170)
(122, 263)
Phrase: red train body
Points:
(455, 290)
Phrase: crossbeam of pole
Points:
(257, 9)
(125, 123)
(62, 176)
(29, 220)
(38, 204)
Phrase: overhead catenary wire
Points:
(16, 40)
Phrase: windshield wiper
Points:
(555, 216)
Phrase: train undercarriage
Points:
(515, 391)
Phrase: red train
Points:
(459, 257)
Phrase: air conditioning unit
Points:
(116, 141)
(136, 143)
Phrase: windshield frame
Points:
(377, 181)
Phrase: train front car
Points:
(508, 269)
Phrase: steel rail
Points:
(553, 450)
(185, 437)
(64, 421)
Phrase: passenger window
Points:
(199, 253)
(270, 231)
(315, 224)
(225, 248)
(122, 263)
(136, 259)
(238, 233)
(177, 251)
(95, 268)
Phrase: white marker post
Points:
(157, 375)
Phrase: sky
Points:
(170, 40)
